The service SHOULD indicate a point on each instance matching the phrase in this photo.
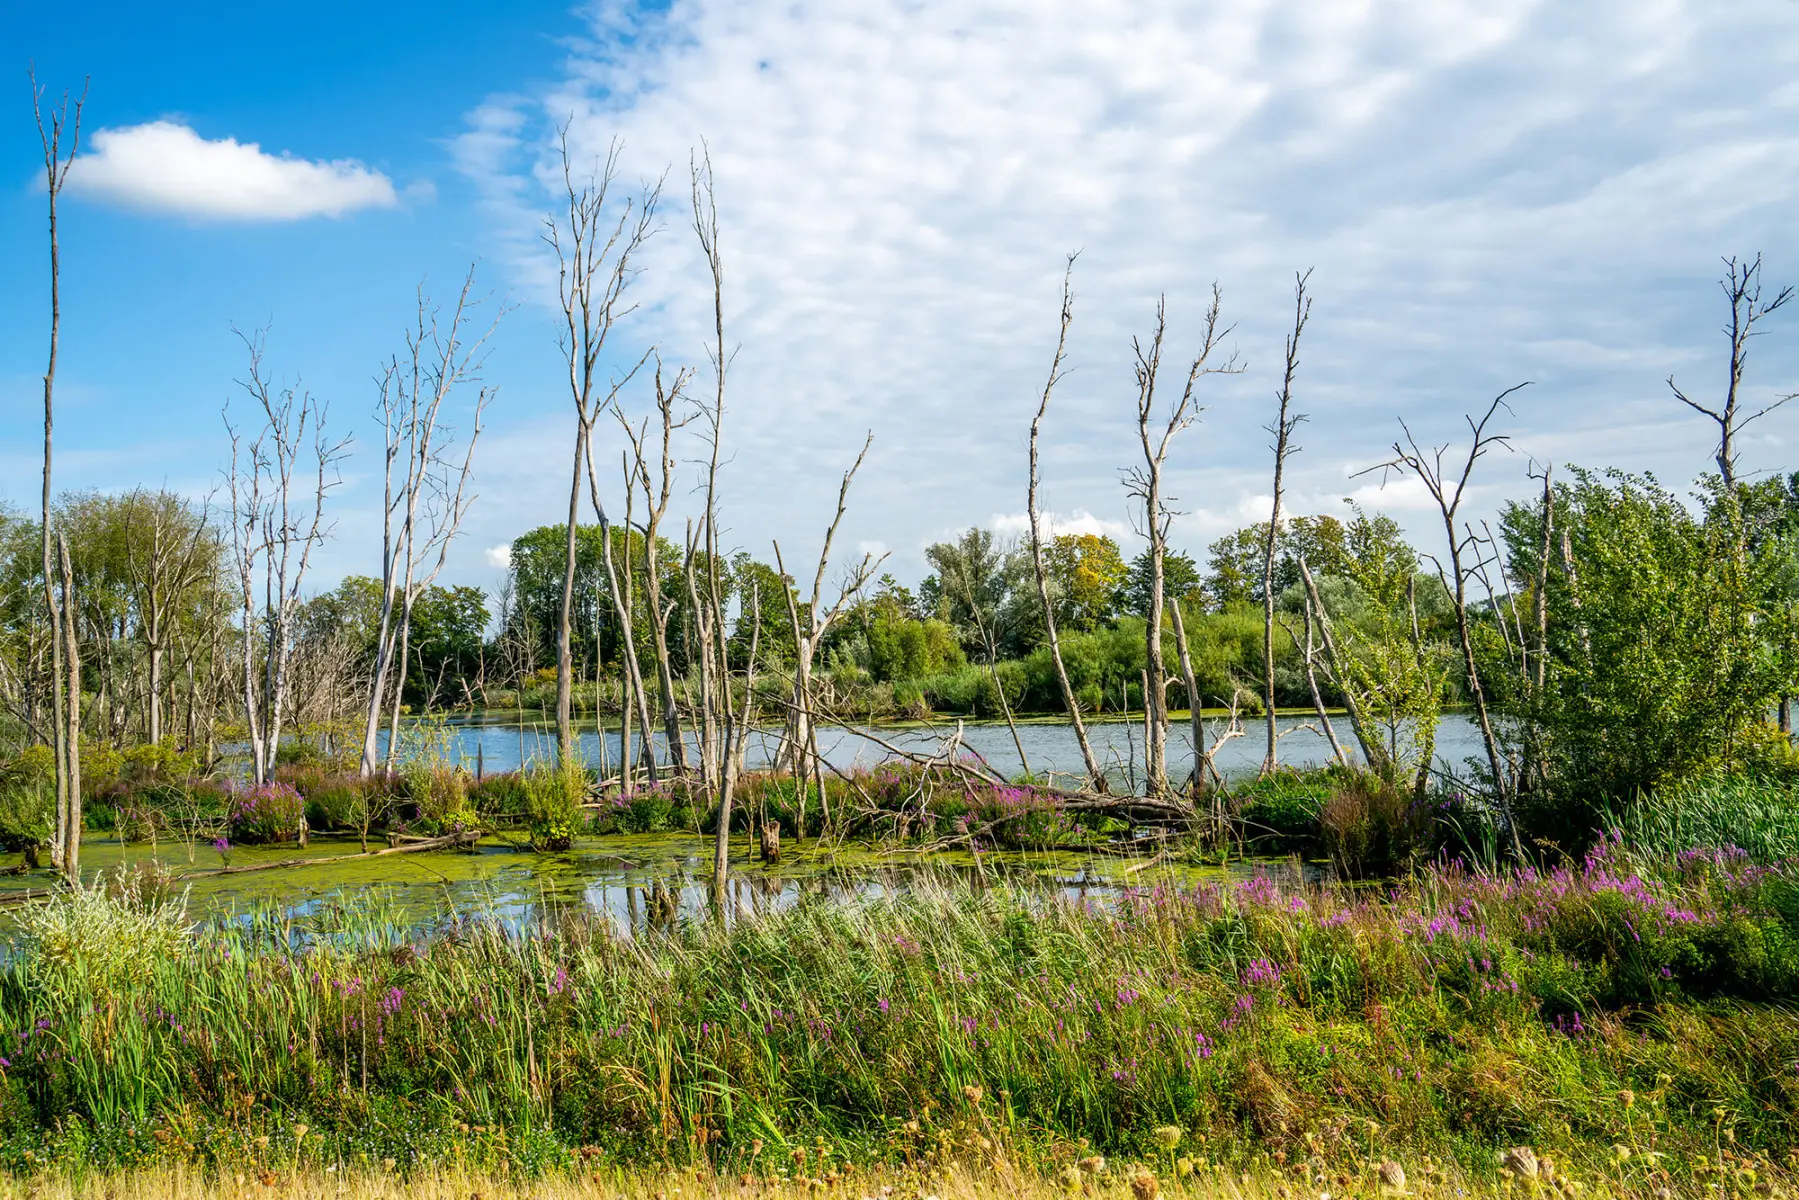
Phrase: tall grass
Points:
(979, 1176)
(1758, 816)
(1453, 1016)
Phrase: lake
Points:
(637, 879)
(501, 742)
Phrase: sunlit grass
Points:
(1445, 1019)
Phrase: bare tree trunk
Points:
(802, 745)
(393, 720)
(1096, 777)
(1448, 492)
(736, 730)
(1145, 482)
(999, 687)
(62, 620)
(1428, 755)
(411, 409)
(1743, 291)
(565, 658)
(1375, 755)
(1195, 704)
(594, 253)
(709, 711)
(656, 497)
(633, 699)
(1284, 424)
(273, 535)
(1311, 665)
(1538, 768)
(720, 719)
(71, 846)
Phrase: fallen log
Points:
(449, 841)
(28, 896)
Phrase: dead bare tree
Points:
(1742, 287)
(170, 551)
(724, 728)
(274, 528)
(1145, 483)
(1096, 778)
(656, 494)
(422, 510)
(801, 749)
(596, 245)
(1285, 422)
(70, 843)
(1448, 487)
(621, 586)
(1202, 762)
(1337, 667)
(66, 841)
(1309, 650)
(989, 640)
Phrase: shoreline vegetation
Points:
(1567, 966)
(976, 1179)
(1622, 1016)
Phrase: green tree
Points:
(1087, 574)
(974, 587)
(1235, 560)
(1180, 581)
(1658, 659)
(1391, 658)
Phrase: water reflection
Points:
(501, 742)
(635, 883)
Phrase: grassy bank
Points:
(1450, 1017)
(956, 1180)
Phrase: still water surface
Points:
(639, 880)
(503, 742)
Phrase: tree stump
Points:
(771, 842)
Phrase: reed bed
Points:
(1586, 1012)
(1757, 814)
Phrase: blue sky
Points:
(1488, 192)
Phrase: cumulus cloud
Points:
(165, 166)
(1489, 190)
(501, 555)
(1076, 523)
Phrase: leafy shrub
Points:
(438, 797)
(158, 761)
(553, 804)
(1370, 828)
(1280, 811)
(297, 752)
(27, 813)
(105, 940)
(273, 812)
(972, 689)
(647, 810)
(506, 794)
(27, 798)
(343, 802)
(1023, 817)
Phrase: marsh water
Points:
(634, 881)
(637, 880)
(504, 741)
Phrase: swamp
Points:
(1337, 858)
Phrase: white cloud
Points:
(1490, 191)
(1077, 523)
(501, 555)
(167, 167)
